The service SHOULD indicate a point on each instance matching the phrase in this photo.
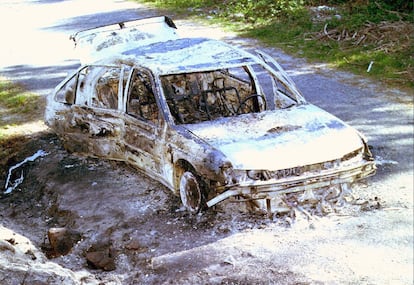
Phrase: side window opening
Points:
(284, 92)
(141, 102)
(85, 84)
(67, 93)
(277, 93)
(204, 96)
(106, 89)
(93, 85)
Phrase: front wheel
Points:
(190, 192)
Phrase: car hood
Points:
(272, 140)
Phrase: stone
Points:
(61, 241)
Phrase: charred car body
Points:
(208, 120)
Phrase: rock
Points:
(6, 245)
(61, 241)
(22, 263)
(101, 256)
(135, 245)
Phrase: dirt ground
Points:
(137, 232)
(149, 239)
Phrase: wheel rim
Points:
(190, 192)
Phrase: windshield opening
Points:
(204, 96)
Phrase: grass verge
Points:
(21, 116)
(18, 107)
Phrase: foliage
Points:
(405, 6)
(179, 4)
(263, 10)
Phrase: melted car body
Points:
(208, 120)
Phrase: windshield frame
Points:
(262, 100)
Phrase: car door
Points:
(94, 126)
(144, 131)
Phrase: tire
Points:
(191, 192)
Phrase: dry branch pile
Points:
(385, 36)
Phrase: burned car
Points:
(208, 120)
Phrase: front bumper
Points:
(257, 189)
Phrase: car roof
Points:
(186, 55)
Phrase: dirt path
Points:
(142, 227)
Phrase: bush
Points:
(263, 10)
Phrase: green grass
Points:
(291, 26)
(17, 107)
(14, 99)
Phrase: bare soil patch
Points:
(134, 231)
